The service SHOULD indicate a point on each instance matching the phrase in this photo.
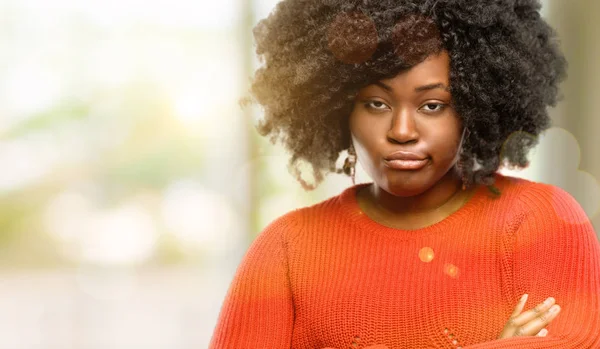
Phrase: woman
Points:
(439, 251)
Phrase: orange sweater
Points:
(327, 276)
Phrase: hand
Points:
(531, 322)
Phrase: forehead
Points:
(434, 69)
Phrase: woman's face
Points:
(410, 113)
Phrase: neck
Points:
(440, 194)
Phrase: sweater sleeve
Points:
(258, 309)
(556, 254)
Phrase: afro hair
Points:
(315, 55)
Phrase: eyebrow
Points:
(417, 89)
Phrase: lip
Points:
(405, 155)
(406, 164)
(404, 160)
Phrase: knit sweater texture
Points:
(328, 276)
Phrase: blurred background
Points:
(132, 182)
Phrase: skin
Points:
(413, 112)
(402, 113)
(531, 322)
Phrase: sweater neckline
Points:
(351, 208)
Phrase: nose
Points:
(403, 128)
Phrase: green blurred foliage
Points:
(155, 150)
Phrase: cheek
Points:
(446, 141)
(363, 130)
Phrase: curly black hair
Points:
(505, 68)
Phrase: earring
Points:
(350, 164)
(460, 165)
(463, 176)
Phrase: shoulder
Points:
(549, 203)
(522, 200)
(511, 187)
(504, 198)
(545, 213)
(532, 196)
(282, 227)
(304, 219)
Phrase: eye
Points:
(376, 105)
(434, 107)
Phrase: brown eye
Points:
(434, 107)
(376, 105)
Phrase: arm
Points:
(556, 253)
(258, 311)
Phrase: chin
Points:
(405, 189)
